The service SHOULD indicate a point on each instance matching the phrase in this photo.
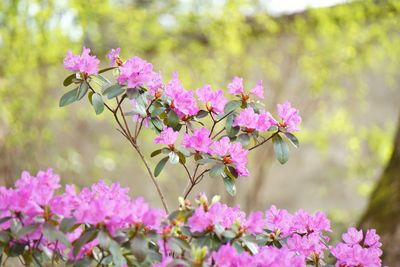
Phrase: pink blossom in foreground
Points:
(354, 252)
(182, 101)
(290, 118)
(250, 120)
(84, 63)
(135, 72)
(155, 84)
(167, 137)
(198, 141)
(214, 100)
(113, 56)
(231, 153)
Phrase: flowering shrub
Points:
(102, 225)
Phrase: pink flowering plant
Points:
(208, 134)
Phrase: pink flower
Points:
(167, 137)
(231, 153)
(182, 101)
(303, 222)
(258, 90)
(113, 55)
(372, 239)
(236, 86)
(214, 100)
(84, 63)
(265, 121)
(352, 236)
(247, 118)
(307, 244)
(255, 223)
(135, 72)
(290, 117)
(279, 219)
(155, 84)
(199, 140)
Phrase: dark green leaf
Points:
(139, 248)
(98, 103)
(90, 96)
(4, 237)
(230, 172)
(132, 92)
(69, 97)
(106, 69)
(293, 139)
(157, 111)
(207, 160)
(178, 245)
(26, 230)
(84, 262)
(230, 130)
(182, 158)
(160, 166)
(155, 153)
(201, 114)
(217, 170)
(82, 90)
(244, 139)
(281, 149)
(85, 238)
(157, 123)
(113, 91)
(16, 250)
(232, 105)
(173, 119)
(67, 224)
(118, 257)
(69, 79)
(53, 234)
(230, 186)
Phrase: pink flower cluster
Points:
(236, 88)
(358, 250)
(135, 72)
(84, 63)
(227, 256)
(214, 100)
(181, 101)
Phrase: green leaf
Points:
(4, 237)
(69, 79)
(138, 246)
(173, 157)
(232, 105)
(281, 149)
(69, 97)
(206, 161)
(52, 234)
(87, 236)
(217, 170)
(157, 123)
(155, 153)
(160, 166)
(178, 245)
(106, 69)
(201, 114)
(82, 90)
(230, 130)
(90, 97)
(113, 91)
(182, 158)
(157, 111)
(293, 139)
(244, 139)
(173, 119)
(132, 92)
(26, 230)
(16, 250)
(118, 257)
(67, 224)
(98, 103)
(230, 186)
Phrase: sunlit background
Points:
(337, 61)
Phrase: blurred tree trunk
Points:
(383, 211)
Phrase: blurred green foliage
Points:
(339, 65)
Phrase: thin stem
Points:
(263, 142)
(215, 135)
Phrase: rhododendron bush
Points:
(208, 134)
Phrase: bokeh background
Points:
(337, 61)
